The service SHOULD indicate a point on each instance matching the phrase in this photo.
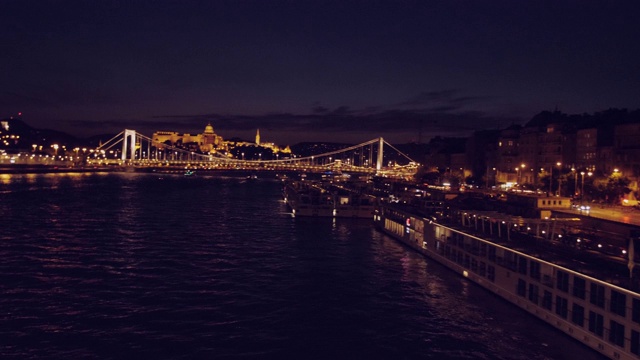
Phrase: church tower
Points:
(258, 137)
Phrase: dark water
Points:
(116, 266)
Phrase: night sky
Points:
(344, 71)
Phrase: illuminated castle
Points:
(206, 142)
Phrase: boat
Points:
(585, 296)
(307, 198)
(189, 173)
(353, 204)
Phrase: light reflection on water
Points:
(128, 265)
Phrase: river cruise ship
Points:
(591, 296)
(306, 198)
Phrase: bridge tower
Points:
(380, 154)
(129, 135)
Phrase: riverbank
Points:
(43, 169)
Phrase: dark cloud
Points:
(450, 99)
(399, 123)
(445, 120)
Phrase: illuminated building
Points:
(208, 141)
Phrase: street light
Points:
(582, 191)
(559, 182)
(575, 180)
(551, 177)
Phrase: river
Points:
(126, 265)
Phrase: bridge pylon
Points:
(380, 154)
(129, 135)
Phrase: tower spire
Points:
(258, 137)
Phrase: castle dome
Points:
(208, 129)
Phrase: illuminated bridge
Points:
(130, 148)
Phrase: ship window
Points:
(522, 265)
(577, 315)
(616, 333)
(491, 273)
(535, 270)
(492, 254)
(522, 288)
(563, 281)
(533, 293)
(635, 311)
(635, 342)
(595, 323)
(561, 307)
(546, 300)
(579, 287)
(618, 303)
(596, 297)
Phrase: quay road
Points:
(623, 214)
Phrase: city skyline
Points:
(314, 71)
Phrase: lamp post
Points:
(575, 179)
(494, 169)
(551, 177)
(582, 190)
(559, 184)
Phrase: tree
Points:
(611, 189)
